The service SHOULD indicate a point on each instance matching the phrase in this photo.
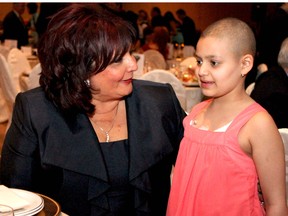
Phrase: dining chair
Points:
(4, 51)
(33, 79)
(284, 134)
(18, 64)
(165, 76)
(250, 88)
(8, 89)
(154, 59)
(4, 110)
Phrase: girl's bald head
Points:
(239, 34)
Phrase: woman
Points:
(91, 137)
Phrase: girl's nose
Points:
(201, 70)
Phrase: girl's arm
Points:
(269, 158)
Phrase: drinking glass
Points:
(6, 210)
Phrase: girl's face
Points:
(218, 67)
(115, 81)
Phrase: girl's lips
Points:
(206, 83)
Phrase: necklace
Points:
(112, 125)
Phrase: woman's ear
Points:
(246, 63)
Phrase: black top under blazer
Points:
(61, 158)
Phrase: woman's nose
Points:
(133, 63)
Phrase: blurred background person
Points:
(156, 17)
(272, 34)
(14, 27)
(271, 88)
(47, 9)
(142, 22)
(31, 25)
(174, 28)
(188, 28)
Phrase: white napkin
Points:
(8, 197)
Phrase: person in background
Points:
(188, 28)
(91, 137)
(32, 10)
(142, 22)
(14, 27)
(156, 17)
(274, 31)
(271, 88)
(159, 41)
(47, 10)
(231, 143)
(174, 28)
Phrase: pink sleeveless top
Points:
(212, 175)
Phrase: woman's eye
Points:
(117, 60)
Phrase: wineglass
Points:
(6, 210)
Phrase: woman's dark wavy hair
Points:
(79, 43)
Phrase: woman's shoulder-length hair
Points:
(78, 43)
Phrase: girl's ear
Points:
(246, 63)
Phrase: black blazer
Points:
(14, 29)
(61, 158)
(271, 92)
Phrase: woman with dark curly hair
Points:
(92, 137)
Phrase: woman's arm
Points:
(20, 156)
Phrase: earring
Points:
(242, 75)
(87, 82)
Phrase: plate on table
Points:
(51, 207)
(36, 203)
(191, 84)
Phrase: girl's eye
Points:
(214, 63)
(199, 62)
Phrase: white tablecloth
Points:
(193, 96)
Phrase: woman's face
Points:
(115, 81)
(218, 70)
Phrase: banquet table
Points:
(185, 69)
(27, 203)
(193, 96)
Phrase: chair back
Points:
(250, 88)
(34, 76)
(284, 134)
(19, 64)
(164, 76)
(154, 59)
(4, 110)
(4, 51)
(7, 86)
(6, 82)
